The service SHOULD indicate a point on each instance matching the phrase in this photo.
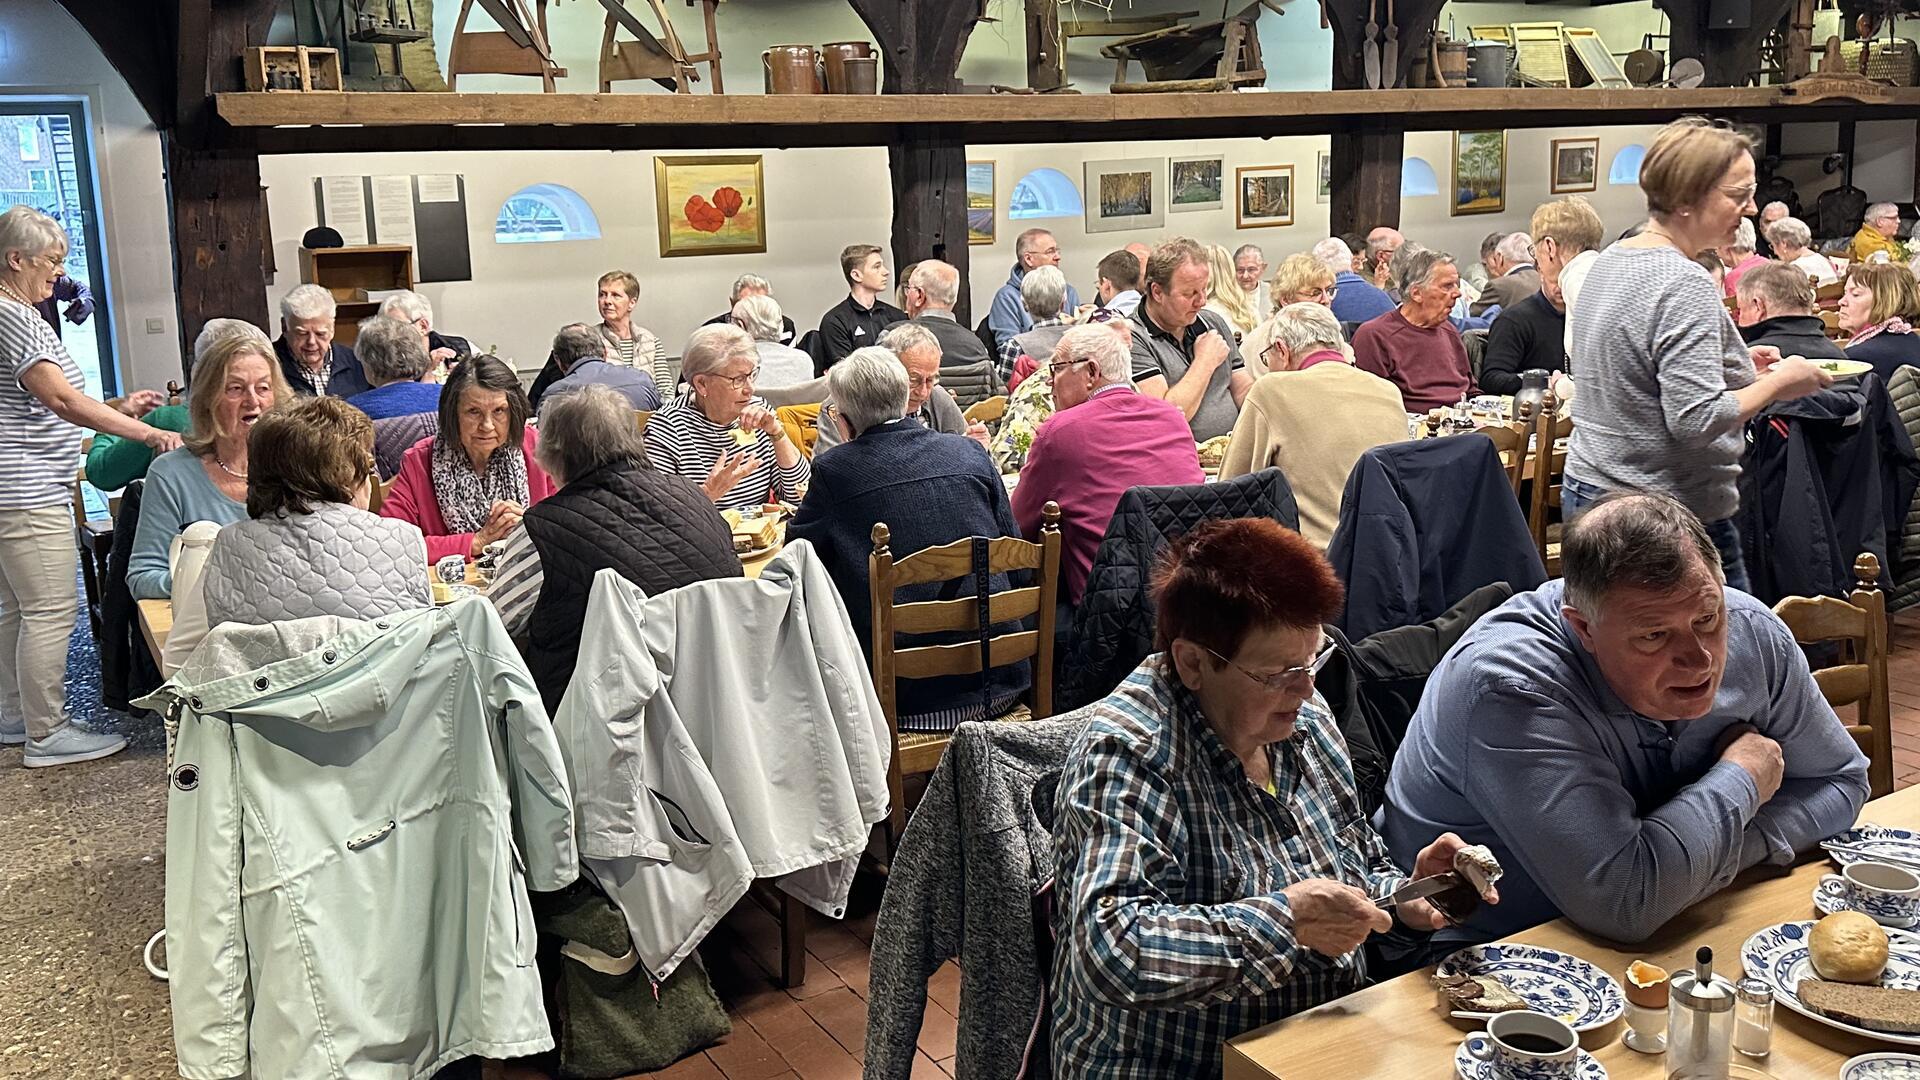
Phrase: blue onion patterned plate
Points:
(1881, 1067)
(1551, 982)
(1899, 845)
(1777, 956)
(1469, 1067)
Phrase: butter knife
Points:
(1419, 890)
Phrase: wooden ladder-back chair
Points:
(1858, 626)
(916, 753)
(377, 494)
(1511, 441)
(94, 542)
(1549, 469)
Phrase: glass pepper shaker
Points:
(1753, 1018)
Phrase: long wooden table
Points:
(1398, 1029)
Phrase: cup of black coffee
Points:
(1530, 1045)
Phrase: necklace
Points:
(9, 290)
(228, 471)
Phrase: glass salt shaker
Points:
(1753, 1018)
(1700, 1023)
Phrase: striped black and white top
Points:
(682, 441)
(39, 452)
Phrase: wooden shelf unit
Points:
(289, 123)
(365, 268)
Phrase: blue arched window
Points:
(1045, 193)
(544, 213)
(1626, 165)
(1417, 179)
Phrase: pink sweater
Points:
(1086, 457)
(411, 497)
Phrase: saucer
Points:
(1830, 896)
(1884, 1066)
(1468, 1067)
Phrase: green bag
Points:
(614, 1025)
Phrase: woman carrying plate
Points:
(1213, 864)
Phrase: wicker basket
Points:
(1893, 59)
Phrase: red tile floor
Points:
(818, 1031)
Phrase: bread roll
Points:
(1849, 947)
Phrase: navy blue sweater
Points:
(1887, 352)
(930, 489)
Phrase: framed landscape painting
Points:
(1479, 172)
(980, 213)
(1263, 196)
(1195, 183)
(1576, 165)
(1324, 188)
(710, 205)
(1124, 194)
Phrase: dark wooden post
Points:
(930, 205)
(1365, 166)
(214, 196)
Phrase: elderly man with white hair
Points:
(929, 488)
(410, 307)
(581, 355)
(933, 288)
(1250, 271)
(1511, 275)
(754, 285)
(1792, 244)
(1313, 414)
(312, 363)
(927, 401)
(1415, 346)
(1878, 238)
(1044, 293)
(1104, 437)
(781, 365)
(1769, 214)
(1355, 299)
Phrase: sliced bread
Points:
(1877, 1007)
(1482, 993)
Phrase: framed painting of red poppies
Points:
(710, 205)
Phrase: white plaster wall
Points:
(42, 50)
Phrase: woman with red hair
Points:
(1213, 863)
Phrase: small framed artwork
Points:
(1194, 183)
(711, 205)
(1479, 172)
(1576, 165)
(1263, 196)
(1123, 194)
(1323, 189)
(980, 212)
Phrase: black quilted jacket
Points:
(1113, 627)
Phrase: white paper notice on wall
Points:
(343, 207)
(393, 210)
(439, 187)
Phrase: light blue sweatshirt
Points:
(178, 493)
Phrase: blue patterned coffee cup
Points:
(1889, 894)
(1528, 1046)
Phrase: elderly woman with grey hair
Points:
(927, 401)
(781, 365)
(753, 285)
(43, 408)
(1313, 415)
(1415, 346)
(720, 434)
(930, 489)
(394, 357)
(611, 511)
(309, 359)
(1792, 240)
(1044, 293)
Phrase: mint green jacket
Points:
(355, 815)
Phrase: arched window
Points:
(544, 213)
(1626, 165)
(1045, 193)
(1417, 179)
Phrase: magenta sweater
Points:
(411, 496)
(1086, 457)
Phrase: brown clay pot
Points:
(835, 54)
(791, 69)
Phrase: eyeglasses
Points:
(1054, 369)
(1045, 252)
(923, 382)
(739, 382)
(1320, 295)
(53, 262)
(1741, 195)
(1291, 677)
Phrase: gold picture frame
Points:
(1263, 196)
(1574, 166)
(1479, 173)
(710, 205)
(982, 225)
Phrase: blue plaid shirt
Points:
(1173, 933)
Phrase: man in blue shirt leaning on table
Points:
(1626, 739)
